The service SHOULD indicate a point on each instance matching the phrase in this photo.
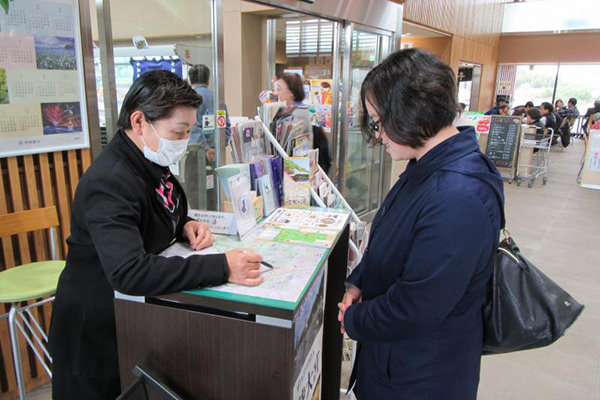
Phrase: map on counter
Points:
(293, 268)
(301, 235)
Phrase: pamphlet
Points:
(243, 209)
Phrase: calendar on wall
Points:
(42, 91)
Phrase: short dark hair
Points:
(557, 100)
(414, 94)
(573, 101)
(535, 114)
(500, 101)
(529, 104)
(548, 106)
(295, 84)
(156, 94)
(199, 74)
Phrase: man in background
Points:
(496, 110)
(570, 111)
(199, 76)
(522, 110)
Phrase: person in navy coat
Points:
(414, 302)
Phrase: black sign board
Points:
(502, 140)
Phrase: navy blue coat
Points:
(423, 277)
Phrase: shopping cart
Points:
(534, 152)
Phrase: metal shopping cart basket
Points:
(534, 152)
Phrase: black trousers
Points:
(68, 386)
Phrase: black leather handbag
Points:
(525, 309)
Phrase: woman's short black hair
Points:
(295, 84)
(414, 94)
(534, 114)
(156, 94)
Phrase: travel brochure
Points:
(311, 227)
(296, 182)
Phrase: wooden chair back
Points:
(28, 221)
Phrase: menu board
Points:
(42, 95)
(502, 140)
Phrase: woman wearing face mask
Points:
(127, 209)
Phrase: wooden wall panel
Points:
(475, 26)
(533, 48)
(28, 182)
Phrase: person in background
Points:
(496, 110)
(290, 89)
(548, 117)
(320, 142)
(503, 109)
(199, 75)
(558, 104)
(570, 112)
(414, 302)
(462, 107)
(533, 118)
(589, 114)
(522, 110)
(127, 209)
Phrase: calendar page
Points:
(42, 91)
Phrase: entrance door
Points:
(363, 170)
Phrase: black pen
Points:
(266, 264)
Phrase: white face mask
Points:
(169, 151)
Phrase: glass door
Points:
(362, 168)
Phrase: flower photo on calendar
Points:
(61, 118)
(55, 52)
(3, 87)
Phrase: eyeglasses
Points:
(375, 128)
(374, 125)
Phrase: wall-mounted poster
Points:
(42, 91)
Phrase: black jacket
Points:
(549, 121)
(118, 226)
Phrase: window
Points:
(537, 83)
(551, 16)
(534, 83)
(580, 82)
(310, 37)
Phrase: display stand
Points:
(590, 174)
(279, 340)
(357, 245)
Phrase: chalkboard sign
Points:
(502, 140)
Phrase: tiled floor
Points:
(557, 227)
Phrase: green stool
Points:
(29, 282)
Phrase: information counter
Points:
(279, 340)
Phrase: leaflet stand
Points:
(355, 247)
